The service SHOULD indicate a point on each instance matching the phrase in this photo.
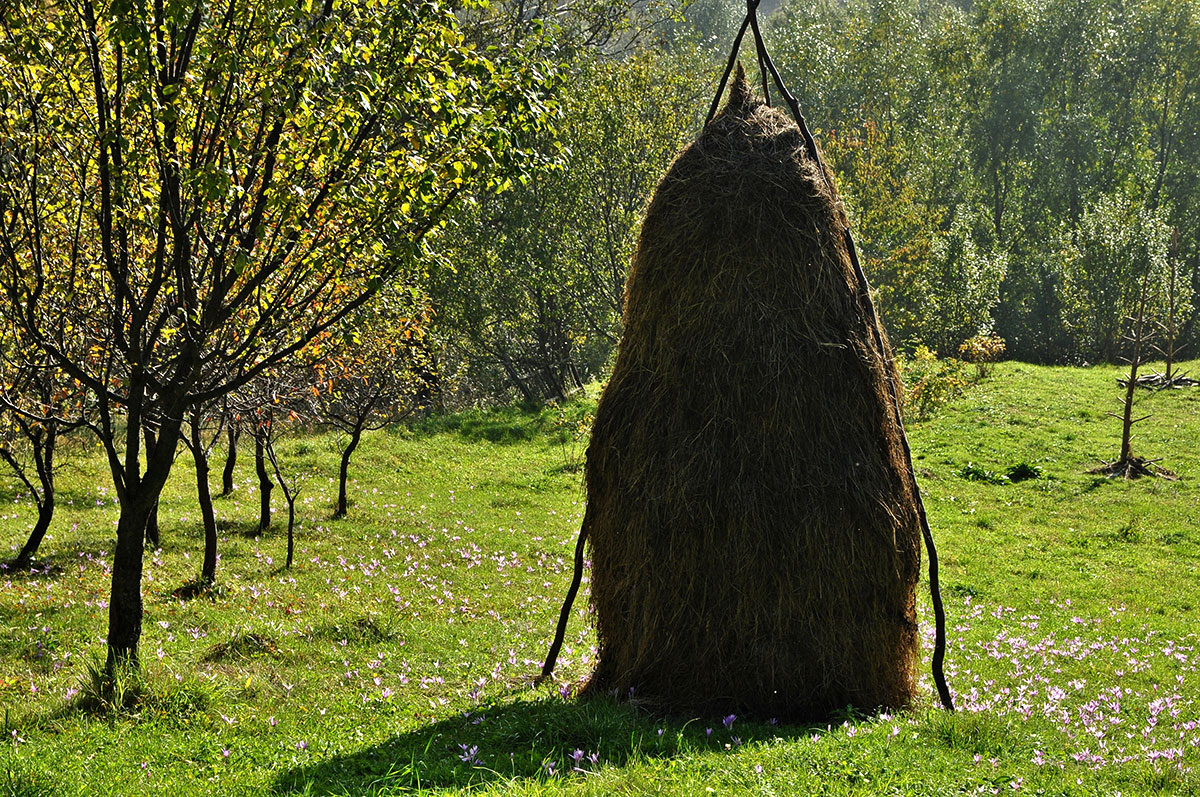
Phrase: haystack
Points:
(752, 520)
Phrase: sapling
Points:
(1127, 465)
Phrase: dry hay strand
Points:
(1157, 381)
(751, 515)
(1134, 468)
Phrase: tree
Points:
(272, 405)
(290, 486)
(1005, 92)
(233, 431)
(962, 288)
(365, 374)
(937, 287)
(28, 446)
(266, 485)
(1127, 465)
(204, 429)
(1119, 244)
(533, 288)
(38, 406)
(191, 192)
(564, 28)
(1178, 300)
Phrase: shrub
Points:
(982, 351)
(929, 382)
(975, 473)
(1023, 471)
(1020, 472)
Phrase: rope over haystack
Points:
(754, 533)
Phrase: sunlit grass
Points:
(398, 654)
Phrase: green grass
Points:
(397, 655)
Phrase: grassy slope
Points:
(402, 642)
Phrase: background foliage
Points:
(993, 156)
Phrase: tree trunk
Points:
(291, 503)
(428, 395)
(265, 485)
(1172, 302)
(1135, 361)
(355, 436)
(125, 603)
(289, 496)
(1127, 415)
(153, 538)
(152, 535)
(208, 572)
(45, 467)
(511, 370)
(231, 437)
(45, 515)
(138, 503)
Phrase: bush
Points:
(973, 472)
(1023, 471)
(929, 382)
(1020, 472)
(982, 351)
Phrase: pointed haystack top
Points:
(741, 97)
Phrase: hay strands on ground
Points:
(1134, 467)
(1157, 381)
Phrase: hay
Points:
(753, 528)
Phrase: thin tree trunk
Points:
(355, 436)
(153, 538)
(432, 392)
(1135, 361)
(289, 496)
(265, 485)
(208, 572)
(1127, 416)
(1172, 301)
(511, 370)
(44, 455)
(231, 437)
(45, 515)
(291, 505)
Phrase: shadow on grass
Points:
(52, 564)
(360, 630)
(250, 529)
(198, 588)
(514, 423)
(67, 498)
(37, 568)
(522, 740)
